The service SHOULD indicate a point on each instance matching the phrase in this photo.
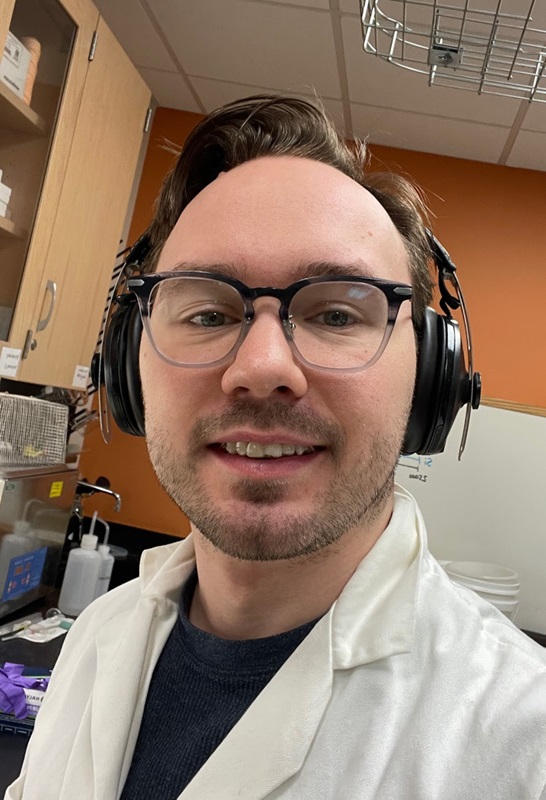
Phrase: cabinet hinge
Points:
(27, 347)
(93, 47)
(148, 120)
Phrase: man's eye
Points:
(212, 319)
(334, 318)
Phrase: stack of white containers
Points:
(498, 585)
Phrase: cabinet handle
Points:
(51, 287)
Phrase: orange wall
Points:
(170, 125)
(489, 218)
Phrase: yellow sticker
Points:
(56, 489)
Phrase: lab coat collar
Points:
(165, 569)
(374, 617)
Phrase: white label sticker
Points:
(81, 377)
(9, 362)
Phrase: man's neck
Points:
(237, 599)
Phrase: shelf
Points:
(9, 231)
(16, 115)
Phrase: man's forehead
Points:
(287, 183)
(283, 174)
(299, 211)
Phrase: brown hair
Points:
(274, 125)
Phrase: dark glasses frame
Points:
(143, 285)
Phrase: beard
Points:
(256, 529)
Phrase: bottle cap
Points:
(103, 549)
(89, 541)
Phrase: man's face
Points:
(264, 223)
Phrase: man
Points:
(302, 643)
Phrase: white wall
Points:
(491, 506)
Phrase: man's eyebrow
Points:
(299, 271)
(190, 266)
(333, 268)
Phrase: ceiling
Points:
(196, 55)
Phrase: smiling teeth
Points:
(274, 450)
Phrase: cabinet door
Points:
(90, 216)
(35, 139)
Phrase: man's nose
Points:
(265, 363)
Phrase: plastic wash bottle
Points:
(81, 577)
(107, 562)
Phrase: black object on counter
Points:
(12, 753)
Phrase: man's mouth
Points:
(269, 450)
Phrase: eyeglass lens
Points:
(334, 324)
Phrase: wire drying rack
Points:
(32, 432)
(497, 50)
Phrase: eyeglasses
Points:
(199, 319)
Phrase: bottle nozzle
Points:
(93, 523)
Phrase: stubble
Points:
(263, 531)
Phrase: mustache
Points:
(267, 417)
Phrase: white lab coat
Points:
(409, 688)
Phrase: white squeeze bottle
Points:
(107, 563)
(81, 575)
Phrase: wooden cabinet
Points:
(70, 158)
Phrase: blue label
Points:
(24, 573)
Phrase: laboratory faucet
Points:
(85, 488)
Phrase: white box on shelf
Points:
(14, 65)
(5, 193)
(3, 209)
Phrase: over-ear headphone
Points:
(444, 383)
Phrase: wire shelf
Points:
(32, 432)
(494, 51)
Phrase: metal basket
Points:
(32, 432)
(459, 43)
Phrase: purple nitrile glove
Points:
(12, 686)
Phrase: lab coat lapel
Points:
(118, 699)
(270, 742)
(126, 664)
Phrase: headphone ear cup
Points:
(425, 379)
(121, 374)
(441, 386)
(135, 403)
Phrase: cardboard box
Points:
(34, 701)
(14, 65)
